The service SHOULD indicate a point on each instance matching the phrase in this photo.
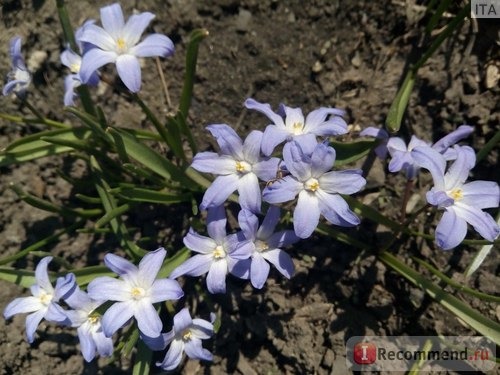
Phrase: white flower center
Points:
(137, 292)
(261, 246)
(75, 68)
(93, 319)
(121, 46)
(219, 252)
(297, 128)
(45, 298)
(243, 167)
(311, 185)
(456, 194)
(186, 335)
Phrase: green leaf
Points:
(461, 310)
(112, 214)
(173, 262)
(142, 359)
(87, 274)
(152, 196)
(22, 278)
(398, 106)
(34, 147)
(351, 152)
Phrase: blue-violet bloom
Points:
(317, 186)
(289, 124)
(185, 337)
(88, 323)
(73, 60)
(383, 137)
(266, 246)
(136, 293)
(43, 304)
(217, 254)
(401, 155)
(19, 78)
(239, 166)
(118, 42)
(462, 202)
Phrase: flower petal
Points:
(202, 329)
(297, 162)
(322, 160)
(318, 117)
(135, 26)
(104, 344)
(106, 288)
(112, 19)
(251, 146)
(450, 231)
(273, 136)
(93, 60)
(249, 223)
(216, 278)
(116, 317)
(281, 260)
(343, 182)
(194, 266)
(87, 345)
(282, 190)
(335, 209)
(194, 350)
(154, 45)
(266, 170)
(173, 357)
(165, 290)
(119, 265)
(334, 126)
(481, 194)
(265, 109)
(210, 162)
(433, 161)
(259, 271)
(219, 191)
(22, 305)
(228, 140)
(148, 321)
(270, 221)
(149, 266)
(458, 171)
(216, 223)
(41, 275)
(99, 38)
(452, 138)
(32, 322)
(182, 320)
(282, 238)
(129, 70)
(200, 244)
(250, 196)
(482, 222)
(294, 118)
(306, 214)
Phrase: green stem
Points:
(25, 120)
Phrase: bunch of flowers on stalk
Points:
(290, 167)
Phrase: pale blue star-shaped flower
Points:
(88, 323)
(462, 202)
(217, 254)
(19, 78)
(135, 293)
(239, 167)
(289, 124)
(73, 60)
(401, 155)
(118, 42)
(43, 304)
(266, 247)
(186, 337)
(318, 188)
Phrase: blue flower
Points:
(19, 78)
(88, 323)
(43, 304)
(266, 247)
(239, 167)
(136, 293)
(383, 137)
(186, 336)
(318, 188)
(401, 155)
(462, 202)
(218, 253)
(289, 124)
(73, 61)
(118, 42)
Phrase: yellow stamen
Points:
(137, 292)
(186, 336)
(93, 319)
(243, 167)
(45, 298)
(297, 128)
(75, 68)
(456, 194)
(261, 245)
(219, 252)
(121, 44)
(312, 185)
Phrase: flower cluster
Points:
(134, 295)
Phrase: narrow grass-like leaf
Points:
(110, 215)
(173, 262)
(341, 236)
(29, 120)
(486, 149)
(91, 122)
(461, 310)
(142, 359)
(86, 274)
(22, 278)
(152, 196)
(398, 106)
(480, 257)
(351, 152)
(456, 285)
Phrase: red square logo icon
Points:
(365, 353)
